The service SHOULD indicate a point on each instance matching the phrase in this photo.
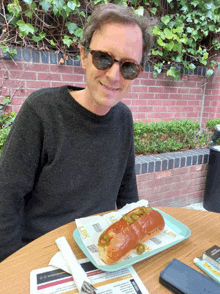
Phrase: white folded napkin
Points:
(66, 260)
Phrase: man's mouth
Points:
(109, 88)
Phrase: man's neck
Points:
(88, 103)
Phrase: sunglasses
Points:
(104, 60)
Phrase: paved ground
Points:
(198, 206)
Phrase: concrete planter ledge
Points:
(166, 161)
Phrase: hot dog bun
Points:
(134, 228)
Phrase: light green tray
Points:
(171, 222)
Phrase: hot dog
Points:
(128, 234)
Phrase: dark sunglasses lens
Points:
(129, 70)
(102, 60)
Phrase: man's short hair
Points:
(121, 14)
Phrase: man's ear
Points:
(83, 57)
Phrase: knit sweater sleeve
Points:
(18, 166)
(128, 192)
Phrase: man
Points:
(70, 152)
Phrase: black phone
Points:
(180, 278)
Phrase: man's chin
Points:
(103, 107)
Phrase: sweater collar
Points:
(82, 110)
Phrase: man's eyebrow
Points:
(129, 59)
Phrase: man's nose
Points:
(114, 72)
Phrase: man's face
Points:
(105, 88)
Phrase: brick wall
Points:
(173, 179)
(150, 99)
(212, 95)
(162, 99)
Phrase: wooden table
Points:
(204, 226)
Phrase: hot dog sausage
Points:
(127, 234)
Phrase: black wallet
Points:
(180, 278)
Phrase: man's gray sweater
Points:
(61, 162)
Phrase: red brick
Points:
(146, 96)
(164, 116)
(23, 75)
(36, 67)
(38, 84)
(180, 115)
(183, 90)
(214, 86)
(179, 186)
(214, 103)
(162, 96)
(173, 178)
(194, 103)
(24, 93)
(49, 77)
(162, 188)
(197, 194)
(173, 84)
(175, 96)
(216, 92)
(189, 84)
(170, 90)
(188, 97)
(146, 185)
(146, 194)
(145, 109)
(192, 114)
(174, 193)
(198, 109)
(73, 78)
(169, 102)
(147, 82)
(160, 203)
(208, 92)
(160, 109)
(138, 116)
(154, 102)
(79, 70)
(181, 102)
(13, 83)
(144, 75)
(133, 108)
(197, 78)
(136, 82)
(127, 101)
(17, 101)
(61, 69)
(139, 89)
(180, 171)
(132, 95)
(156, 89)
(5, 91)
(60, 84)
(14, 66)
(195, 91)
(175, 109)
(207, 103)
(139, 102)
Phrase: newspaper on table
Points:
(91, 227)
(51, 280)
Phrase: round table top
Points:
(15, 270)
